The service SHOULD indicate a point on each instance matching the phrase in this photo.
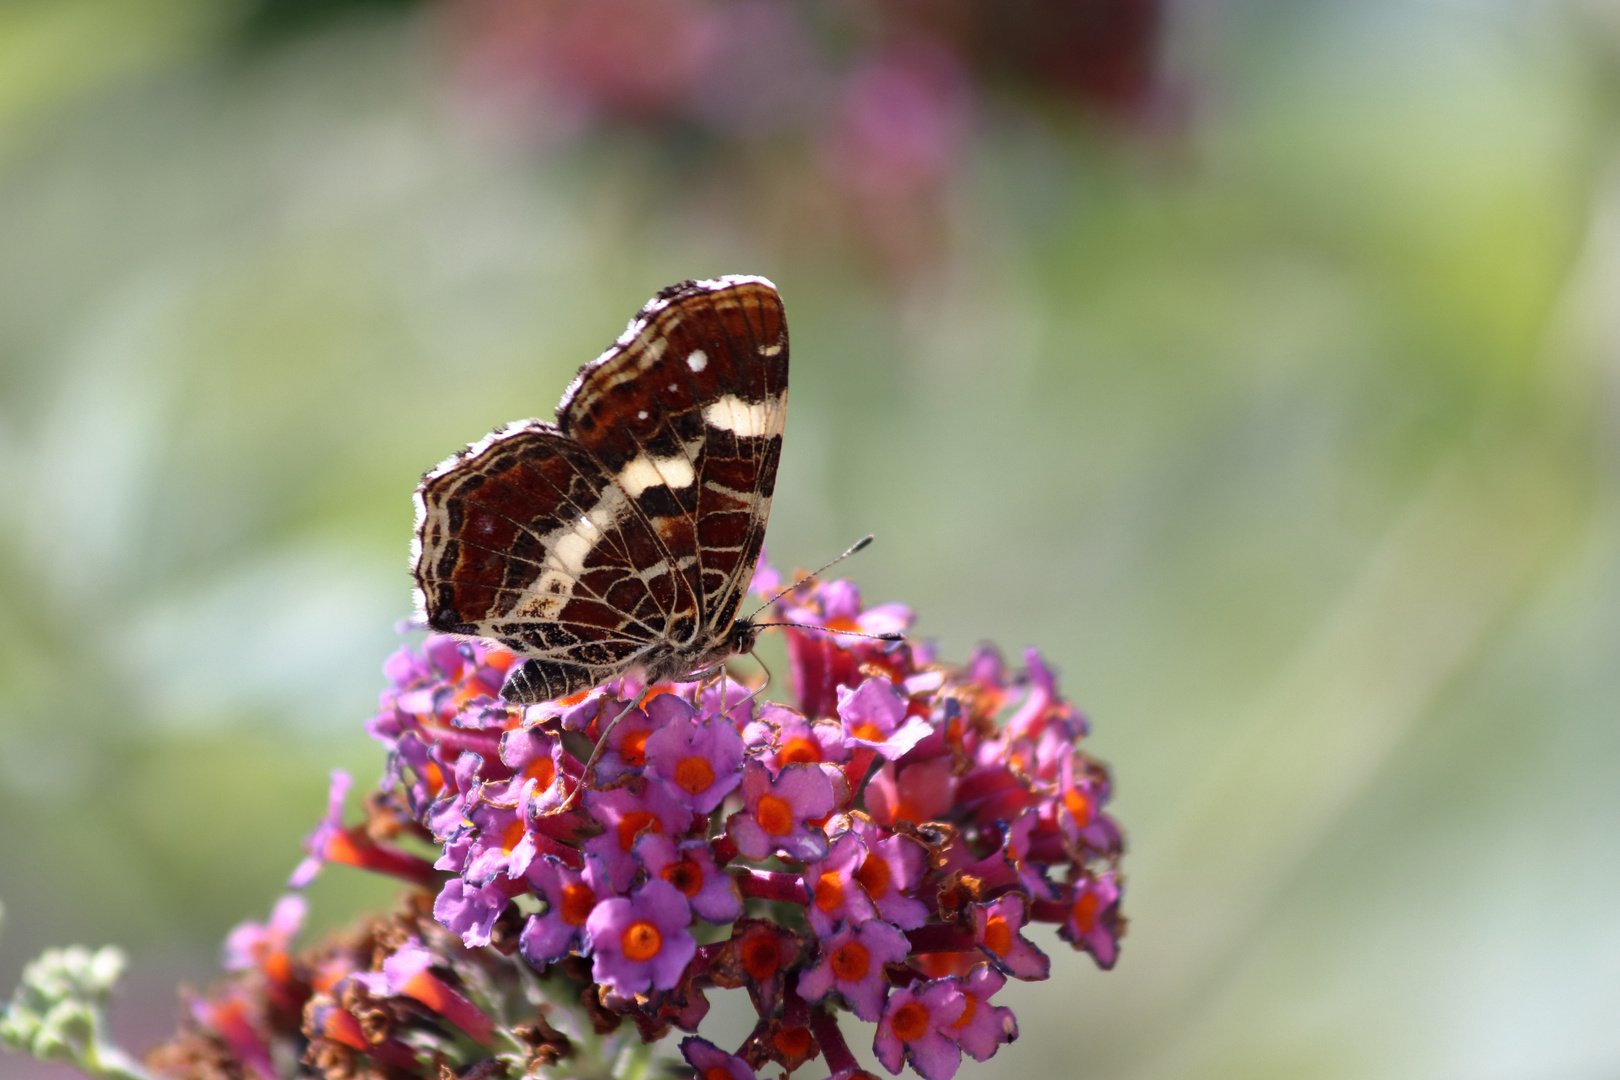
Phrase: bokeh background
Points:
(1257, 359)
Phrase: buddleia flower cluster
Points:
(871, 857)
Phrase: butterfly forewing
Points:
(625, 535)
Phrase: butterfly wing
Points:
(687, 411)
(523, 539)
(623, 536)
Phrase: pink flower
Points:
(1094, 922)
(701, 762)
(625, 813)
(996, 930)
(713, 1063)
(782, 814)
(852, 962)
(874, 716)
(982, 1027)
(913, 1029)
(835, 895)
(690, 867)
(641, 942)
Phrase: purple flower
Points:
(625, 813)
(918, 792)
(330, 829)
(251, 943)
(470, 910)
(724, 699)
(626, 750)
(982, 1027)
(996, 927)
(690, 867)
(1082, 791)
(1094, 923)
(776, 812)
(852, 962)
(835, 895)
(641, 941)
(406, 973)
(503, 846)
(893, 867)
(782, 736)
(570, 897)
(874, 716)
(701, 762)
(913, 1028)
(713, 1063)
(534, 755)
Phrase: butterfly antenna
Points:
(833, 630)
(853, 548)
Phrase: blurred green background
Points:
(1257, 360)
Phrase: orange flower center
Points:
(433, 777)
(910, 1021)
(969, 1007)
(631, 824)
(829, 892)
(1075, 801)
(874, 876)
(541, 769)
(633, 748)
(512, 835)
(641, 941)
(800, 750)
(775, 815)
(694, 775)
(997, 935)
(851, 961)
(868, 731)
(685, 875)
(761, 957)
(577, 901)
(1085, 912)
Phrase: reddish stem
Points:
(770, 885)
(1048, 911)
(354, 848)
(937, 937)
(833, 1047)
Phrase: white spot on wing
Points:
(770, 350)
(571, 549)
(733, 414)
(645, 472)
(697, 360)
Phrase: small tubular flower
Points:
(851, 963)
(913, 1029)
(877, 850)
(779, 814)
(641, 941)
(700, 762)
(982, 1028)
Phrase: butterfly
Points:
(623, 536)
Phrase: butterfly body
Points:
(623, 536)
